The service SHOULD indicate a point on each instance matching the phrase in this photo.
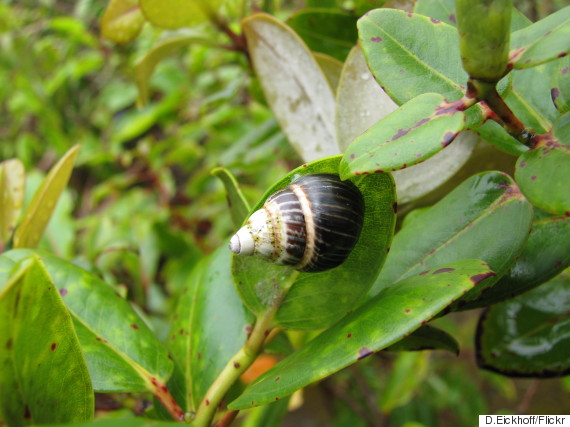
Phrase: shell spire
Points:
(312, 225)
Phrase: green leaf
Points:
(525, 336)
(426, 338)
(380, 322)
(530, 97)
(294, 86)
(239, 208)
(326, 31)
(361, 103)
(561, 86)
(444, 10)
(543, 41)
(38, 212)
(271, 414)
(545, 254)
(173, 14)
(495, 134)
(402, 386)
(414, 132)
(390, 44)
(209, 324)
(12, 184)
(122, 21)
(334, 292)
(45, 354)
(464, 224)
(145, 66)
(122, 353)
(543, 174)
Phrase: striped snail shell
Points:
(312, 225)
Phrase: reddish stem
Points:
(227, 419)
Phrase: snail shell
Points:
(312, 225)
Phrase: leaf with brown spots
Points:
(378, 323)
(413, 133)
(46, 370)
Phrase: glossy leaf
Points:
(326, 31)
(383, 320)
(122, 353)
(545, 254)
(145, 66)
(50, 368)
(416, 131)
(444, 10)
(294, 86)
(334, 292)
(12, 185)
(543, 41)
(173, 14)
(426, 338)
(528, 335)
(464, 224)
(361, 103)
(561, 85)
(38, 212)
(543, 174)
(395, 47)
(402, 386)
(209, 324)
(122, 21)
(239, 208)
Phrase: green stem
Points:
(242, 360)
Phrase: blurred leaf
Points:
(326, 31)
(122, 353)
(527, 336)
(381, 321)
(466, 223)
(239, 208)
(122, 21)
(121, 422)
(543, 41)
(172, 14)
(361, 103)
(338, 289)
(402, 386)
(12, 184)
(209, 324)
(545, 254)
(294, 86)
(561, 86)
(331, 68)
(426, 338)
(542, 172)
(416, 131)
(44, 351)
(38, 212)
(146, 65)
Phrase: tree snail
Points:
(312, 225)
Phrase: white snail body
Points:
(312, 225)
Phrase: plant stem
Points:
(487, 92)
(243, 359)
(234, 368)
